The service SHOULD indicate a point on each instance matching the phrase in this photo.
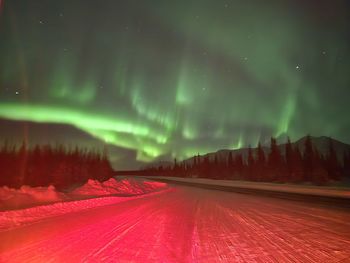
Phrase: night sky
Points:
(164, 79)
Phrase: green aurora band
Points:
(176, 79)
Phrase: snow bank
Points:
(16, 218)
(125, 187)
(28, 196)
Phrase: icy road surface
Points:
(185, 224)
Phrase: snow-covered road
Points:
(185, 224)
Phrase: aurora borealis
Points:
(166, 79)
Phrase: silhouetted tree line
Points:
(47, 165)
(292, 165)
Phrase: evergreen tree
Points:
(250, 164)
(274, 161)
(308, 158)
(346, 163)
(215, 168)
(239, 165)
(43, 165)
(319, 174)
(206, 167)
(332, 165)
(229, 166)
(260, 163)
(289, 158)
(297, 174)
(175, 167)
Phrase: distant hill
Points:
(320, 143)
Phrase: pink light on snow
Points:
(185, 225)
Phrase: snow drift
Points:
(28, 196)
(125, 187)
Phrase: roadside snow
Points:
(284, 188)
(36, 203)
(27, 196)
(128, 186)
(16, 218)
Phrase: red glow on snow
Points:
(27, 196)
(182, 225)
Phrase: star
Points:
(17, 92)
(297, 67)
(41, 22)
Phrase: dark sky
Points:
(164, 79)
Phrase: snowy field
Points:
(177, 224)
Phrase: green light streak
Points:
(183, 95)
(239, 144)
(286, 116)
(112, 130)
